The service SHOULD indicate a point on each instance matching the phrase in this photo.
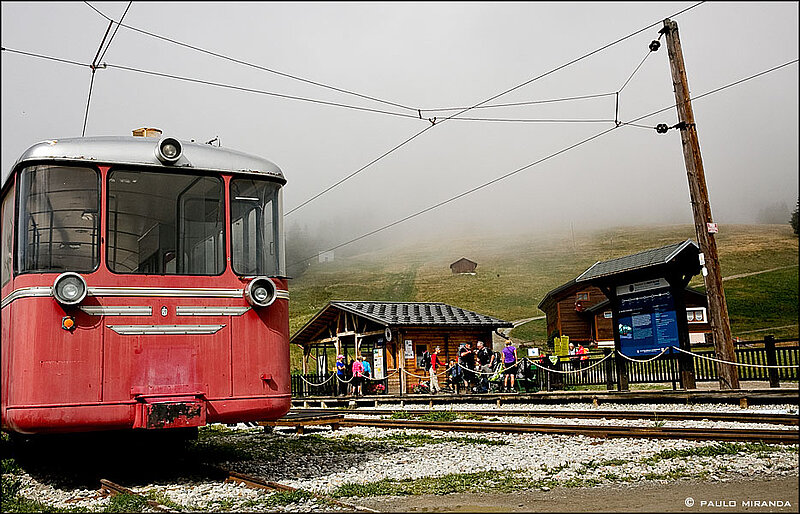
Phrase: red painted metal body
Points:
(147, 351)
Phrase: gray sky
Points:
(426, 56)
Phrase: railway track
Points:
(600, 431)
(112, 488)
(741, 417)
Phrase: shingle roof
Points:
(419, 313)
(645, 259)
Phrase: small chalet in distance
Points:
(463, 265)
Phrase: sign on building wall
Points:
(377, 363)
(409, 349)
(647, 320)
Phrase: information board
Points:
(647, 321)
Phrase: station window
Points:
(696, 315)
(58, 225)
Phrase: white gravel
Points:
(539, 458)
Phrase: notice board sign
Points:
(647, 319)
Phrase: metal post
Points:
(609, 370)
(701, 210)
(772, 360)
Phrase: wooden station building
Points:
(392, 336)
(583, 312)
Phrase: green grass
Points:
(715, 450)
(515, 272)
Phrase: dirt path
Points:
(731, 496)
(742, 275)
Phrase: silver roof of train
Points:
(140, 151)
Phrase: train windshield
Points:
(256, 227)
(58, 223)
(165, 223)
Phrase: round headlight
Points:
(168, 150)
(260, 292)
(69, 289)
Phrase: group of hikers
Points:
(475, 368)
(352, 377)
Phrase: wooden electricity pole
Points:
(701, 209)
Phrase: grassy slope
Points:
(515, 272)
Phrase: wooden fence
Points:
(769, 352)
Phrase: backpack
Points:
(426, 361)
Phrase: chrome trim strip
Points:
(160, 291)
(26, 292)
(117, 310)
(29, 292)
(210, 310)
(130, 330)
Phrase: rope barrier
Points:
(316, 385)
(663, 351)
(574, 371)
(734, 363)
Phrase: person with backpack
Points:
(485, 359)
(509, 366)
(432, 366)
(454, 376)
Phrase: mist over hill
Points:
(516, 269)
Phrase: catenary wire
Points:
(518, 170)
(256, 66)
(97, 58)
(529, 81)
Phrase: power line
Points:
(528, 166)
(433, 121)
(211, 83)
(97, 58)
(256, 66)
(517, 104)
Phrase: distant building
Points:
(463, 265)
(326, 256)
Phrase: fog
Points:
(425, 56)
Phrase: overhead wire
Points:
(550, 156)
(252, 65)
(97, 58)
(527, 82)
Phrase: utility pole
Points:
(701, 209)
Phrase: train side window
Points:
(256, 227)
(165, 223)
(8, 235)
(57, 228)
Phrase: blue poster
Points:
(647, 323)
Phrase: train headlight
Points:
(168, 150)
(69, 289)
(260, 292)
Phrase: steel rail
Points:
(599, 431)
(259, 483)
(742, 417)
(114, 489)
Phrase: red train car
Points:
(143, 287)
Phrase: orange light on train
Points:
(67, 322)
